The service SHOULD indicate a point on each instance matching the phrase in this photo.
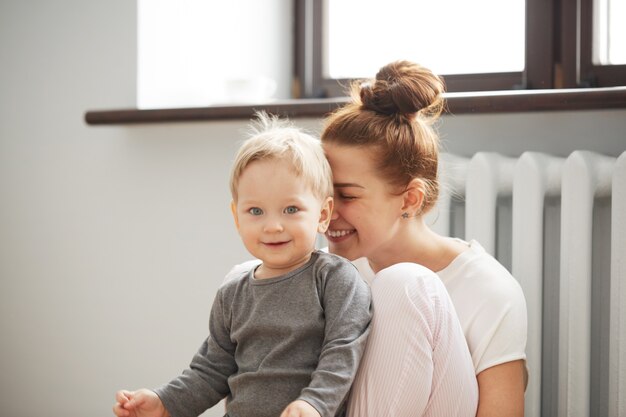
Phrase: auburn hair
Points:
(393, 114)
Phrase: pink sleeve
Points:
(416, 362)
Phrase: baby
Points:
(286, 335)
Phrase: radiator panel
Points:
(559, 224)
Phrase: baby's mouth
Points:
(275, 243)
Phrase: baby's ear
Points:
(325, 215)
(233, 209)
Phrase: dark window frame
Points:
(592, 75)
(555, 36)
(558, 54)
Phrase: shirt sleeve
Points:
(205, 382)
(347, 307)
(504, 326)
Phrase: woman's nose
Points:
(334, 215)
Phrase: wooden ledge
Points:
(457, 103)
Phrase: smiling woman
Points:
(384, 153)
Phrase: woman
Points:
(383, 152)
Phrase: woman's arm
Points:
(501, 390)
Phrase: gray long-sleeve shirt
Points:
(272, 341)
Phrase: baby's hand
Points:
(300, 408)
(140, 403)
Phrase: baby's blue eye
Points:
(291, 210)
(255, 211)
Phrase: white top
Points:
(489, 302)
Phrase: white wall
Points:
(558, 133)
(113, 240)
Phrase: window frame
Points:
(590, 74)
(558, 54)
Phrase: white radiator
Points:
(559, 225)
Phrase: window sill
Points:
(457, 103)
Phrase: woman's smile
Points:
(339, 235)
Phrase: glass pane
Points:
(199, 52)
(609, 32)
(448, 36)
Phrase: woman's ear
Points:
(325, 215)
(233, 209)
(413, 197)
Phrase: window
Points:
(196, 52)
(413, 31)
(479, 45)
(609, 32)
(602, 42)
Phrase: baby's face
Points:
(278, 216)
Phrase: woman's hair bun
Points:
(403, 87)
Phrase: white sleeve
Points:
(239, 269)
(502, 321)
(491, 307)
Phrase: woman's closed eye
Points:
(346, 197)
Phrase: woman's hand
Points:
(140, 403)
(300, 408)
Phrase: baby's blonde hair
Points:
(274, 138)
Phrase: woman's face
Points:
(367, 214)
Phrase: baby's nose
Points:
(273, 225)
